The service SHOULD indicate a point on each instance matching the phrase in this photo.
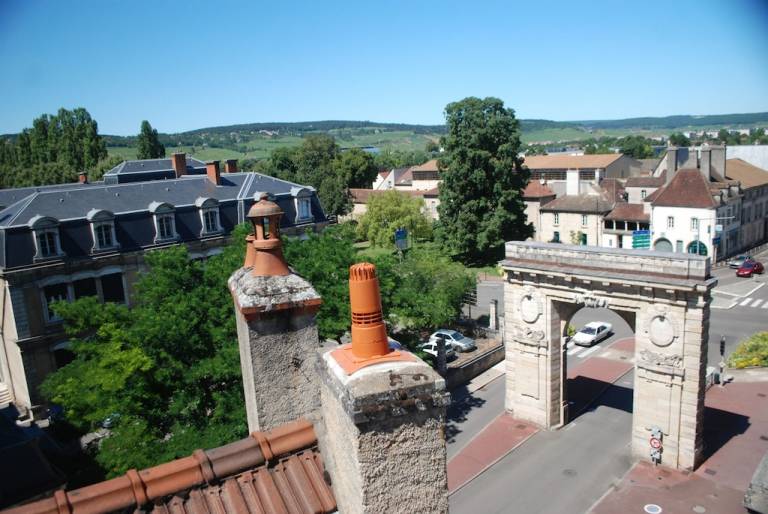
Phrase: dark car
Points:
(749, 268)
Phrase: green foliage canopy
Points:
(751, 352)
(389, 211)
(148, 143)
(481, 203)
(53, 151)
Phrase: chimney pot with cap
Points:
(383, 416)
(276, 327)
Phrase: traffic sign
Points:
(641, 239)
(716, 240)
(401, 239)
(655, 443)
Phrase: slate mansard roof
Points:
(129, 203)
(150, 169)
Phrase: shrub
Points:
(751, 352)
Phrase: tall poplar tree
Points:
(149, 145)
(481, 194)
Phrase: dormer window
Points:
(46, 236)
(302, 203)
(165, 221)
(103, 229)
(209, 215)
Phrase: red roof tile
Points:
(536, 189)
(430, 165)
(363, 195)
(570, 162)
(688, 188)
(628, 212)
(645, 181)
(279, 471)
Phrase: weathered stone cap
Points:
(388, 389)
(255, 295)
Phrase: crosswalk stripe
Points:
(591, 350)
(757, 303)
(742, 304)
(576, 350)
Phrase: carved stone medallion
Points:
(661, 330)
(530, 307)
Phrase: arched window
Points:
(103, 229)
(45, 231)
(209, 216)
(697, 247)
(165, 221)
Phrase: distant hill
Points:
(677, 121)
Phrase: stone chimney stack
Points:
(717, 162)
(705, 162)
(212, 170)
(572, 182)
(382, 437)
(671, 163)
(230, 166)
(276, 328)
(179, 164)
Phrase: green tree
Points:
(679, 139)
(389, 211)
(356, 167)
(636, 146)
(431, 147)
(148, 144)
(481, 203)
(174, 386)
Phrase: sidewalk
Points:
(735, 439)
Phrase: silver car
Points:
(456, 340)
(737, 261)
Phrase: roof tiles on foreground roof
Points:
(570, 162)
(274, 472)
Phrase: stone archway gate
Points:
(666, 296)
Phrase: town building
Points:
(554, 168)
(535, 195)
(754, 204)
(64, 242)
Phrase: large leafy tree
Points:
(389, 211)
(54, 150)
(356, 167)
(148, 143)
(166, 371)
(481, 203)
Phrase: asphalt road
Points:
(564, 471)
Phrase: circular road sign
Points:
(655, 443)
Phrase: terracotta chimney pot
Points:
(230, 166)
(212, 170)
(265, 216)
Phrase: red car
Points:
(749, 268)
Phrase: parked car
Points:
(456, 340)
(737, 261)
(430, 348)
(394, 344)
(592, 333)
(749, 268)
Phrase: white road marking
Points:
(742, 304)
(590, 351)
(757, 303)
(576, 350)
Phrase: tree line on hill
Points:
(60, 146)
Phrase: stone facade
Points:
(383, 437)
(665, 298)
(278, 340)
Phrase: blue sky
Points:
(188, 64)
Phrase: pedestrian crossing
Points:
(582, 351)
(753, 303)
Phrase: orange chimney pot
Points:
(265, 216)
(370, 344)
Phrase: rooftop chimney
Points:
(179, 163)
(572, 182)
(717, 162)
(82, 177)
(276, 329)
(230, 166)
(705, 164)
(671, 163)
(382, 434)
(212, 170)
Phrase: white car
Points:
(456, 340)
(430, 348)
(592, 333)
